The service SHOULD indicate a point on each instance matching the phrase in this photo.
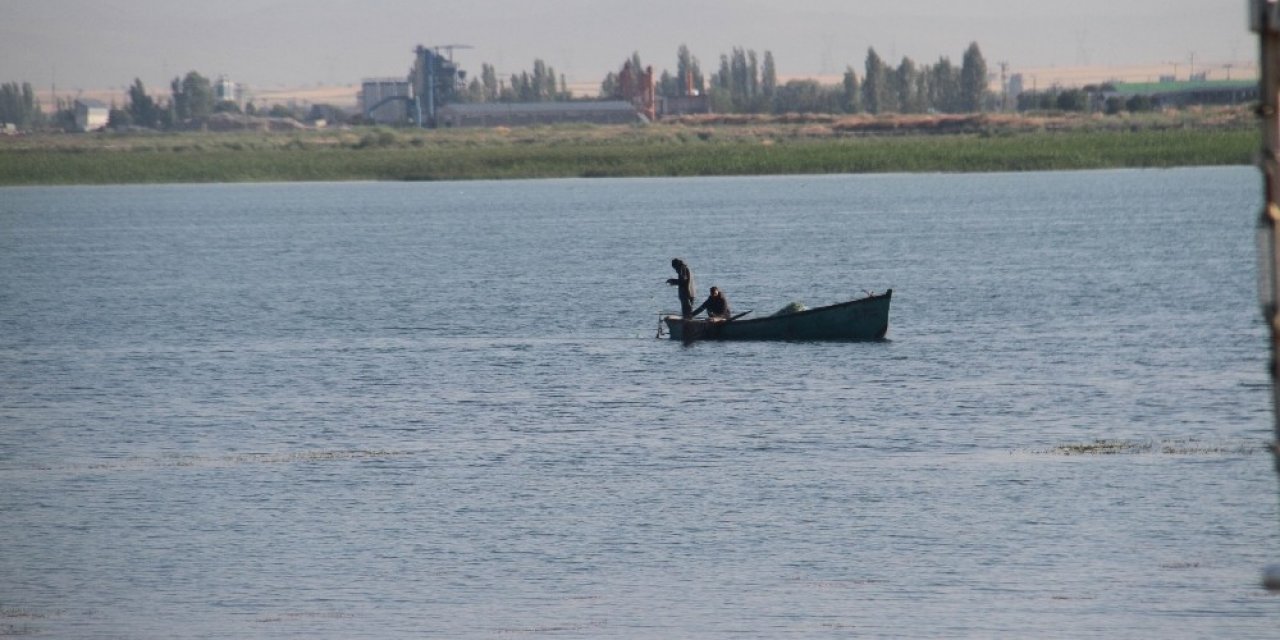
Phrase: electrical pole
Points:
(1264, 19)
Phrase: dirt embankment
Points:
(818, 125)
(224, 122)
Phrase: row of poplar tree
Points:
(748, 83)
(190, 96)
(744, 83)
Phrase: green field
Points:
(750, 148)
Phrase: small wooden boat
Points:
(864, 319)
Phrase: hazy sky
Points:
(94, 44)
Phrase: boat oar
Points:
(740, 315)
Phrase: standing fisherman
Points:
(684, 282)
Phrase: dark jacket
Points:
(684, 282)
(717, 306)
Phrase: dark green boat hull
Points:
(856, 320)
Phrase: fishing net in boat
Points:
(792, 307)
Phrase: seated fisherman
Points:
(716, 304)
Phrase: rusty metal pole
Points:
(1264, 19)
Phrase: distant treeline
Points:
(539, 85)
(1087, 98)
(190, 97)
(18, 105)
(746, 82)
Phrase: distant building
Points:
(91, 115)
(429, 98)
(436, 81)
(1015, 87)
(683, 105)
(1182, 94)
(509, 114)
(322, 115)
(385, 100)
(227, 91)
(637, 87)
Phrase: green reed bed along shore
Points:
(546, 152)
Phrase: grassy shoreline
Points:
(706, 147)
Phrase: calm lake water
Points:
(439, 410)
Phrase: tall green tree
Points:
(944, 86)
(850, 100)
(543, 82)
(921, 91)
(1072, 100)
(117, 118)
(489, 79)
(724, 77)
(668, 85)
(544, 85)
(769, 76)
(876, 92)
(64, 114)
(18, 105)
(739, 86)
(807, 96)
(684, 71)
(523, 86)
(199, 91)
(753, 80)
(973, 80)
(905, 87)
(143, 110)
(609, 86)
(475, 91)
(722, 87)
(192, 96)
(688, 72)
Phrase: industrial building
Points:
(385, 100)
(91, 115)
(683, 105)
(1172, 95)
(638, 104)
(513, 114)
(433, 81)
(436, 81)
(227, 91)
(429, 97)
